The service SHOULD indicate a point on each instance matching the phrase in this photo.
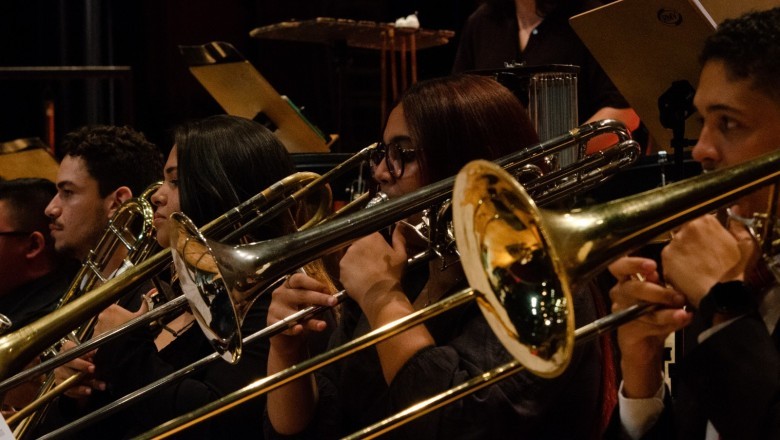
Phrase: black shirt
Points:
(490, 39)
(353, 393)
(37, 298)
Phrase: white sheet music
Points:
(5, 431)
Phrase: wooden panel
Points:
(28, 163)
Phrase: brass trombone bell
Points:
(506, 256)
(245, 271)
(217, 315)
(20, 346)
(526, 260)
(571, 246)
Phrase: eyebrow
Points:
(170, 170)
(719, 108)
(64, 183)
(727, 108)
(399, 138)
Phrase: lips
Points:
(159, 220)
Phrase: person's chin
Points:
(63, 248)
(163, 240)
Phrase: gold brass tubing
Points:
(476, 383)
(54, 392)
(420, 409)
(286, 376)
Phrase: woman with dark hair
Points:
(233, 159)
(537, 32)
(461, 118)
(215, 164)
(230, 160)
(438, 127)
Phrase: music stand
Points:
(28, 157)
(385, 37)
(242, 91)
(646, 46)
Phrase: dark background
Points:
(338, 87)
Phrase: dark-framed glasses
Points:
(14, 233)
(395, 154)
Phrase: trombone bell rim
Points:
(506, 256)
(194, 261)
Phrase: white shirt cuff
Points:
(637, 416)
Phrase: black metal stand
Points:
(675, 106)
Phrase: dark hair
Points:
(27, 199)
(224, 160)
(459, 118)
(115, 157)
(749, 46)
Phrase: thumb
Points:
(399, 239)
(745, 240)
(748, 248)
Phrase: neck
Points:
(41, 267)
(525, 10)
(34, 270)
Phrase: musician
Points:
(537, 32)
(215, 164)
(102, 166)
(438, 126)
(730, 381)
(33, 275)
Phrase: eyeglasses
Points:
(395, 154)
(14, 233)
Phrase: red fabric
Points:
(609, 385)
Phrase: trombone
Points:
(249, 212)
(242, 218)
(499, 229)
(23, 344)
(19, 347)
(596, 168)
(130, 236)
(213, 275)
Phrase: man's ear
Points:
(116, 198)
(35, 246)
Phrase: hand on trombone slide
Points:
(83, 365)
(23, 394)
(701, 254)
(297, 292)
(112, 317)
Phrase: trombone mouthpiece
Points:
(380, 197)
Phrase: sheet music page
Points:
(5, 431)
